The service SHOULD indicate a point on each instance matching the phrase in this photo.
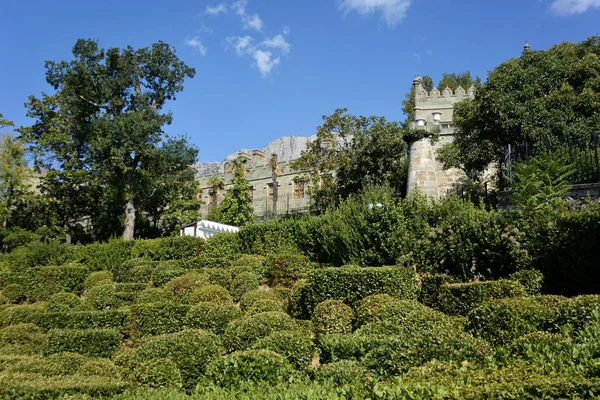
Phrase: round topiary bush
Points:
(258, 366)
(98, 278)
(242, 334)
(261, 306)
(251, 297)
(99, 367)
(237, 270)
(219, 276)
(152, 295)
(21, 334)
(531, 279)
(210, 293)
(286, 268)
(370, 307)
(242, 284)
(140, 273)
(101, 297)
(63, 301)
(181, 288)
(295, 346)
(159, 373)
(212, 317)
(191, 350)
(332, 316)
(15, 293)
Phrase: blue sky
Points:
(269, 68)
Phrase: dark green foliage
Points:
(223, 245)
(250, 260)
(15, 293)
(183, 286)
(101, 297)
(251, 297)
(210, 262)
(63, 301)
(295, 346)
(89, 342)
(284, 269)
(152, 295)
(268, 237)
(36, 254)
(141, 273)
(523, 344)
(108, 256)
(22, 313)
(67, 278)
(35, 386)
(157, 318)
(219, 276)
(461, 298)
(114, 319)
(242, 334)
(577, 311)
(242, 284)
(332, 316)
(158, 373)
(353, 284)
(21, 339)
(500, 321)
(53, 365)
(430, 289)
(531, 279)
(168, 248)
(370, 306)
(211, 316)
(341, 373)
(236, 208)
(262, 366)
(191, 350)
(210, 293)
(265, 305)
(164, 273)
(98, 278)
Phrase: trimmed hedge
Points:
(353, 284)
(332, 316)
(242, 334)
(15, 293)
(152, 295)
(242, 284)
(158, 373)
(64, 278)
(98, 278)
(181, 287)
(223, 245)
(251, 297)
(99, 367)
(212, 317)
(168, 248)
(341, 373)
(531, 279)
(17, 314)
(157, 318)
(461, 298)
(102, 297)
(212, 293)
(89, 342)
(430, 289)
(371, 306)
(191, 350)
(261, 306)
(113, 319)
(264, 366)
(577, 311)
(219, 276)
(63, 301)
(294, 346)
(284, 269)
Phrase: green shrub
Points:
(430, 289)
(157, 318)
(67, 278)
(21, 313)
(242, 334)
(168, 248)
(242, 269)
(219, 276)
(531, 279)
(158, 373)
(113, 319)
(524, 344)
(500, 321)
(153, 295)
(351, 285)
(212, 262)
(296, 347)
(242, 284)
(101, 297)
(297, 299)
(286, 268)
(577, 311)
(211, 316)
(163, 273)
(89, 342)
(99, 367)
(15, 293)
(53, 365)
(261, 306)
(332, 316)
(223, 245)
(262, 366)
(21, 338)
(337, 347)
(108, 256)
(190, 350)
(37, 253)
(98, 278)
(461, 298)
(130, 287)
(345, 372)
(140, 273)
(181, 288)
(256, 262)
(127, 359)
(63, 301)
(212, 293)
(371, 306)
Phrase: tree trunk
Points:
(129, 219)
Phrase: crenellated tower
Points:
(433, 113)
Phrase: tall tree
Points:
(15, 176)
(216, 185)
(106, 117)
(236, 208)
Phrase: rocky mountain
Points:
(287, 148)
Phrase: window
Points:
(298, 189)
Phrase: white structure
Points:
(206, 229)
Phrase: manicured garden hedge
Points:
(88, 342)
(461, 298)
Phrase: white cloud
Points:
(220, 8)
(197, 44)
(278, 42)
(240, 7)
(570, 7)
(253, 22)
(393, 10)
(241, 44)
(265, 62)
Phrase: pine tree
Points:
(236, 208)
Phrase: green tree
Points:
(106, 117)
(351, 153)
(236, 208)
(541, 96)
(15, 176)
